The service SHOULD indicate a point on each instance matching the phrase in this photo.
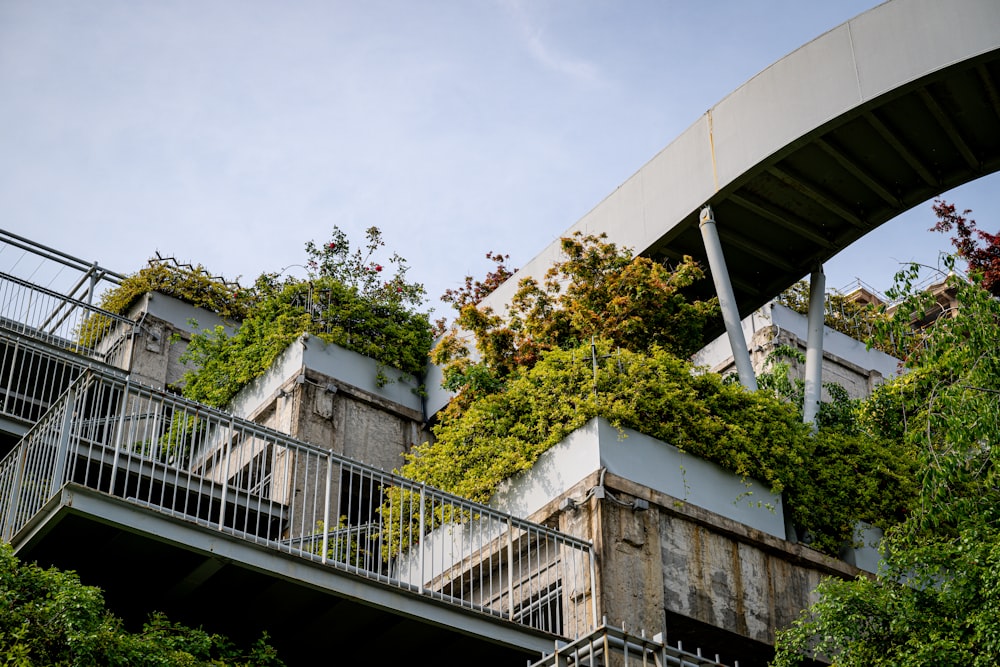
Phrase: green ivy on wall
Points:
(193, 285)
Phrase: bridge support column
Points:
(727, 300)
(814, 347)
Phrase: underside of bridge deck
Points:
(833, 186)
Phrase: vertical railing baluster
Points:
(510, 567)
(15, 494)
(120, 435)
(326, 509)
(420, 538)
(10, 378)
(62, 451)
(227, 444)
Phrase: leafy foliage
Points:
(935, 601)
(349, 299)
(839, 412)
(194, 285)
(359, 271)
(601, 290)
(47, 617)
(473, 291)
(191, 284)
(598, 290)
(535, 382)
(752, 434)
(976, 246)
(841, 313)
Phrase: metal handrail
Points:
(610, 645)
(171, 455)
(33, 375)
(64, 322)
(58, 256)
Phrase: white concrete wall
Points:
(359, 371)
(263, 389)
(181, 314)
(837, 349)
(331, 360)
(645, 461)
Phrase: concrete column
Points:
(814, 347)
(727, 300)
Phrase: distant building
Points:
(846, 361)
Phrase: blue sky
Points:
(230, 133)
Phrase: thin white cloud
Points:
(532, 32)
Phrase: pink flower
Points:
(378, 267)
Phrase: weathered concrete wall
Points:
(353, 422)
(738, 586)
(328, 396)
(166, 326)
(678, 561)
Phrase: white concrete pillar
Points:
(814, 347)
(727, 300)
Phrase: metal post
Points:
(120, 433)
(593, 586)
(814, 347)
(14, 503)
(10, 378)
(510, 568)
(62, 451)
(326, 509)
(727, 300)
(420, 538)
(227, 444)
(93, 283)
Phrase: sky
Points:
(229, 133)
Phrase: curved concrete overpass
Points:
(874, 117)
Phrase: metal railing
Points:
(613, 646)
(56, 270)
(33, 375)
(178, 457)
(64, 322)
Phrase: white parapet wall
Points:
(181, 314)
(346, 366)
(625, 453)
(837, 347)
(646, 461)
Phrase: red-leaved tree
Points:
(977, 247)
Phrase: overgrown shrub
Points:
(830, 480)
